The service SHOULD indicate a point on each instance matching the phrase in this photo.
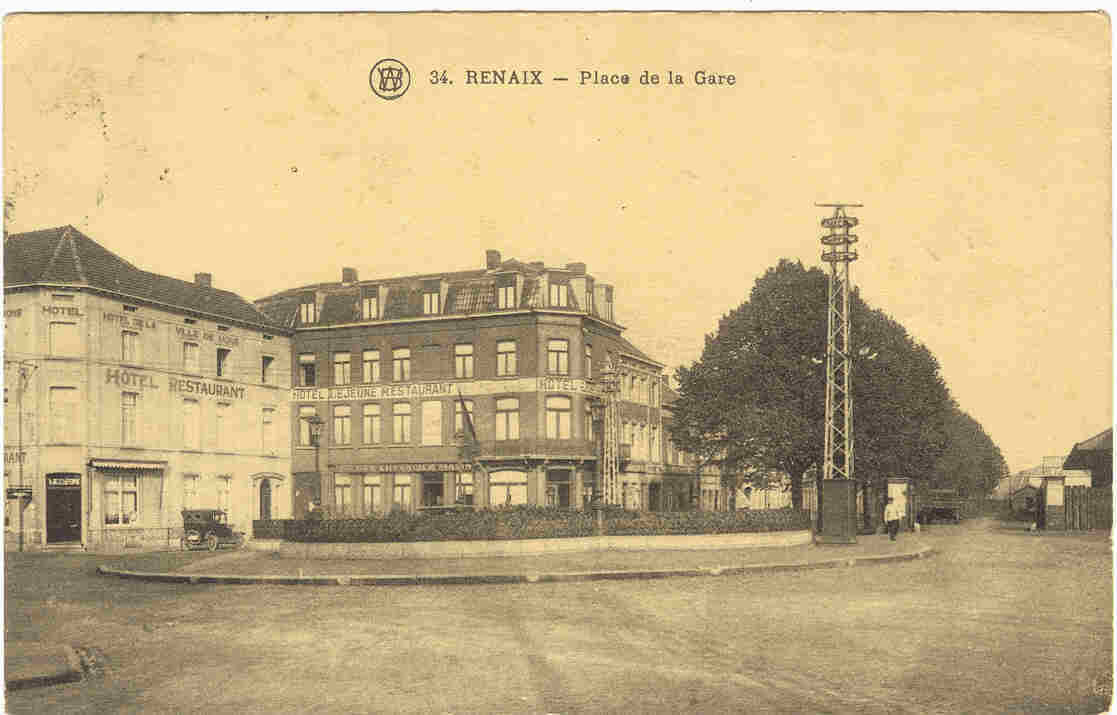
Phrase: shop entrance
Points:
(432, 489)
(63, 508)
(558, 488)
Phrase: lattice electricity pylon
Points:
(837, 462)
(610, 459)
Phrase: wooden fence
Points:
(1089, 508)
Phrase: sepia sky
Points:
(252, 147)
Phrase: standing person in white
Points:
(892, 516)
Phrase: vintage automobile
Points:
(208, 528)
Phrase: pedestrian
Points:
(892, 518)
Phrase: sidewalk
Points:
(267, 568)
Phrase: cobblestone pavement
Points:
(997, 622)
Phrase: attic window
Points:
(189, 321)
(129, 309)
(307, 312)
(267, 337)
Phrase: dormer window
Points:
(558, 295)
(370, 304)
(431, 299)
(308, 311)
(506, 294)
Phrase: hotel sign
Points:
(469, 388)
(403, 467)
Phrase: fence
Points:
(1089, 508)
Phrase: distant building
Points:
(1095, 455)
(129, 396)
(382, 364)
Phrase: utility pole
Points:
(837, 462)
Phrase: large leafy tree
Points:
(754, 401)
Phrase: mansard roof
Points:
(65, 256)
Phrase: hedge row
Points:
(526, 522)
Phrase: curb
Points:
(50, 676)
(506, 578)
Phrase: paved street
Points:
(998, 621)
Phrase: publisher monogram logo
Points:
(389, 79)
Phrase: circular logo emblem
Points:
(389, 79)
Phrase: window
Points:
(190, 357)
(370, 426)
(401, 492)
(265, 369)
(308, 312)
(463, 361)
(223, 361)
(223, 426)
(558, 417)
(464, 488)
(430, 302)
(506, 296)
(64, 414)
(370, 306)
(557, 355)
(128, 408)
(341, 368)
(654, 398)
(507, 488)
(459, 419)
(401, 364)
(589, 361)
(401, 422)
(506, 357)
(64, 340)
(342, 424)
(129, 347)
(653, 443)
(121, 499)
(558, 295)
(189, 491)
(432, 422)
(370, 366)
(305, 413)
(589, 422)
(507, 418)
(191, 425)
(308, 369)
(267, 430)
(371, 497)
(224, 487)
(343, 493)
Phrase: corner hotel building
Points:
(382, 362)
(129, 396)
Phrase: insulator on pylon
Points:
(837, 239)
(839, 256)
(839, 222)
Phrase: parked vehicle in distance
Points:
(939, 505)
(208, 528)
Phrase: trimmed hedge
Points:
(271, 528)
(532, 522)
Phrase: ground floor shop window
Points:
(343, 493)
(464, 488)
(122, 500)
(401, 492)
(432, 489)
(558, 488)
(507, 488)
(371, 495)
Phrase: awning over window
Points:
(126, 464)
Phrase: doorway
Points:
(654, 496)
(265, 499)
(432, 489)
(63, 508)
(558, 488)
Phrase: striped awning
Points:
(126, 464)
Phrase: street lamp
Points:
(315, 423)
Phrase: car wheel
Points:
(211, 542)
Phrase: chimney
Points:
(492, 259)
(348, 275)
(205, 280)
(578, 269)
